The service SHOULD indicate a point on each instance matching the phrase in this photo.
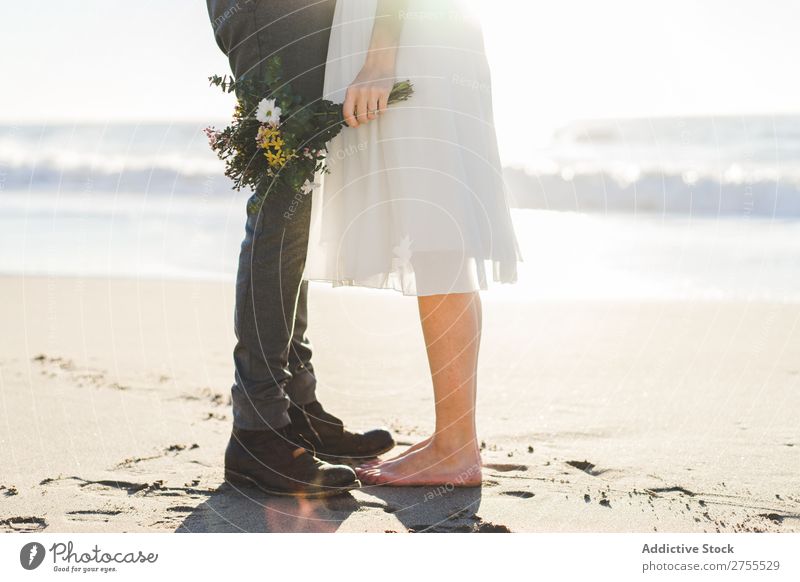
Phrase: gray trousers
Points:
(272, 354)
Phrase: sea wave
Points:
(709, 166)
(653, 192)
(602, 191)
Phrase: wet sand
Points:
(594, 416)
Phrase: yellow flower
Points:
(266, 135)
(276, 159)
(276, 141)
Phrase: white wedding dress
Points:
(414, 200)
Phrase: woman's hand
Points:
(368, 95)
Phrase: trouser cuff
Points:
(253, 414)
(302, 388)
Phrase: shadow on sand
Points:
(414, 509)
(241, 509)
(431, 509)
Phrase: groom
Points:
(276, 416)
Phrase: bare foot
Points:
(428, 465)
(411, 449)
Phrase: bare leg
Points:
(426, 441)
(451, 325)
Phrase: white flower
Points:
(268, 112)
(308, 187)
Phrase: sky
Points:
(552, 61)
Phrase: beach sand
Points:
(594, 416)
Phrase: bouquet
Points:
(275, 140)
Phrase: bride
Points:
(415, 201)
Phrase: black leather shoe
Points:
(331, 440)
(269, 460)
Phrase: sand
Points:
(594, 416)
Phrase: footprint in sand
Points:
(23, 524)
(57, 366)
(93, 514)
(171, 450)
(208, 395)
(505, 467)
(520, 494)
(181, 508)
(9, 491)
(673, 489)
(587, 467)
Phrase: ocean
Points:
(668, 208)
